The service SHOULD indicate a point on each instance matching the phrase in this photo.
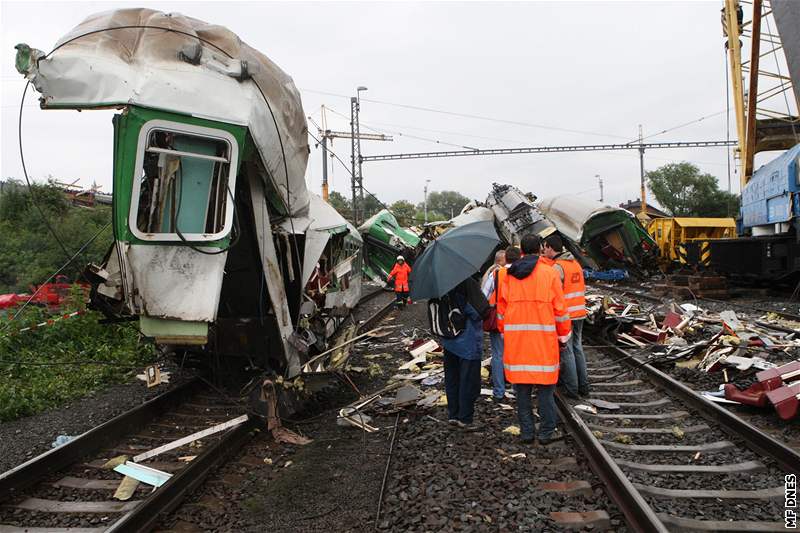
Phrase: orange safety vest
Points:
(400, 274)
(574, 288)
(494, 298)
(535, 318)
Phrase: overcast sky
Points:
(596, 68)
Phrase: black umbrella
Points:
(451, 259)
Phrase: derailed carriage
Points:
(217, 241)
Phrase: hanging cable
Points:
(57, 272)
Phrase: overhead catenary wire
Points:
(472, 116)
(336, 156)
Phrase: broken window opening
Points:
(184, 189)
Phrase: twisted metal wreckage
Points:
(217, 240)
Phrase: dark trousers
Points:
(462, 384)
(401, 297)
(547, 410)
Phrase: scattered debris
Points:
(153, 376)
(512, 430)
(143, 473)
(126, 488)
(61, 440)
(190, 438)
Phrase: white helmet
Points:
(401, 258)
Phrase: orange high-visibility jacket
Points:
(574, 287)
(400, 274)
(494, 298)
(535, 318)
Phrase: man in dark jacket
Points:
(463, 354)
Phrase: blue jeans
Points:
(462, 384)
(576, 343)
(547, 410)
(572, 373)
(498, 372)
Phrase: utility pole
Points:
(641, 171)
(600, 181)
(355, 156)
(425, 201)
(325, 165)
(326, 134)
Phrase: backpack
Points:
(446, 319)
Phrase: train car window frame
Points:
(190, 130)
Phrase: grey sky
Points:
(601, 67)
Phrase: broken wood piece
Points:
(428, 346)
(377, 332)
(417, 360)
(126, 488)
(355, 418)
(189, 438)
(281, 434)
(143, 473)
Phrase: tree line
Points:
(442, 205)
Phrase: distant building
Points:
(635, 207)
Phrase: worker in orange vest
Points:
(535, 324)
(573, 361)
(400, 273)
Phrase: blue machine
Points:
(768, 247)
(770, 195)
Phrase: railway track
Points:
(671, 460)
(70, 488)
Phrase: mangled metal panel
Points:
(200, 69)
(611, 236)
(516, 213)
(384, 240)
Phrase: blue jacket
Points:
(469, 343)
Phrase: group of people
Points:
(536, 293)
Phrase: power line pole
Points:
(641, 171)
(356, 183)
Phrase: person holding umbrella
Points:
(400, 273)
(463, 354)
(444, 273)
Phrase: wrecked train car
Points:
(217, 241)
(517, 215)
(384, 240)
(610, 236)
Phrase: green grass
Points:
(26, 388)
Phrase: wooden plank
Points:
(189, 438)
(89, 484)
(722, 526)
(747, 466)
(55, 506)
(585, 520)
(773, 493)
(159, 465)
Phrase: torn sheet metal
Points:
(165, 276)
(205, 71)
(611, 236)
